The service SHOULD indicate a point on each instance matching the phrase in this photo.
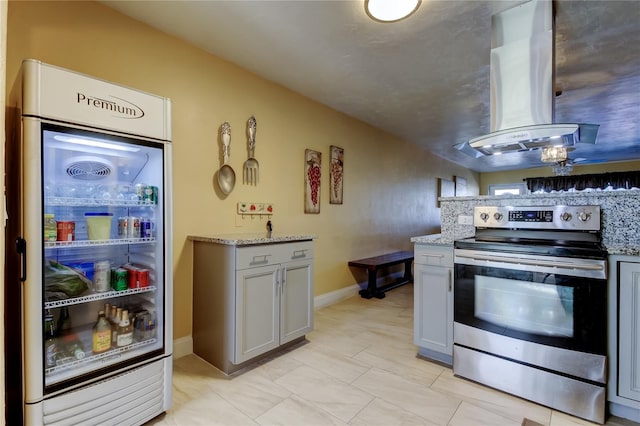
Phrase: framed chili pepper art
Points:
(336, 174)
(312, 169)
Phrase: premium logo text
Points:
(119, 107)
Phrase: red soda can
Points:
(66, 231)
(143, 277)
(132, 275)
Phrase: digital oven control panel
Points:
(582, 218)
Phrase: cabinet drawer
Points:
(433, 255)
(271, 254)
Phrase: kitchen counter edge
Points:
(627, 251)
(437, 239)
(249, 239)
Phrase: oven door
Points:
(557, 302)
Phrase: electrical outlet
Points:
(465, 220)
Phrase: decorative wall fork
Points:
(251, 165)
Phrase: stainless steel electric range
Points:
(530, 306)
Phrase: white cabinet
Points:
(257, 312)
(624, 337)
(250, 300)
(274, 306)
(433, 301)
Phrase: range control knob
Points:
(566, 216)
(584, 216)
(497, 216)
(484, 216)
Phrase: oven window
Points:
(538, 308)
(550, 309)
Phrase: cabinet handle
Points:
(299, 253)
(262, 258)
(433, 255)
(450, 280)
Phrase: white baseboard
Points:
(332, 297)
(182, 347)
(628, 413)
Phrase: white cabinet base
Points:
(433, 302)
(438, 356)
(250, 302)
(624, 337)
(625, 412)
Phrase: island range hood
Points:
(522, 85)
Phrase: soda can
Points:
(140, 190)
(66, 231)
(132, 276)
(151, 195)
(101, 278)
(145, 228)
(143, 277)
(123, 227)
(133, 227)
(119, 278)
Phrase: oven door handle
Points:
(522, 261)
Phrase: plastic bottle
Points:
(115, 324)
(125, 330)
(101, 335)
(112, 315)
(50, 344)
(73, 346)
(64, 322)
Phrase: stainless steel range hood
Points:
(522, 89)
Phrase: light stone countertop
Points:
(437, 239)
(242, 239)
(628, 250)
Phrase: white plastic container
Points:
(99, 225)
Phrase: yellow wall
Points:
(389, 186)
(516, 176)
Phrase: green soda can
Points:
(151, 195)
(119, 279)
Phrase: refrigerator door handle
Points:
(21, 247)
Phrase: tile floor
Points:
(359, 367)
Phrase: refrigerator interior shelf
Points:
(68, 201)
(97, 296)
(87, 243)
(69, 363)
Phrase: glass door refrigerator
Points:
(89, 206)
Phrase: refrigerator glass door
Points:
(103, 251)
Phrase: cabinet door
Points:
(629, 331)
(296, 305)
(257, 312)
(433, 306)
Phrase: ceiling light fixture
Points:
(390, 10)
(554, 154)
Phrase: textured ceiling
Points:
(424, 79)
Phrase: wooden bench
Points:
(373, 264)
